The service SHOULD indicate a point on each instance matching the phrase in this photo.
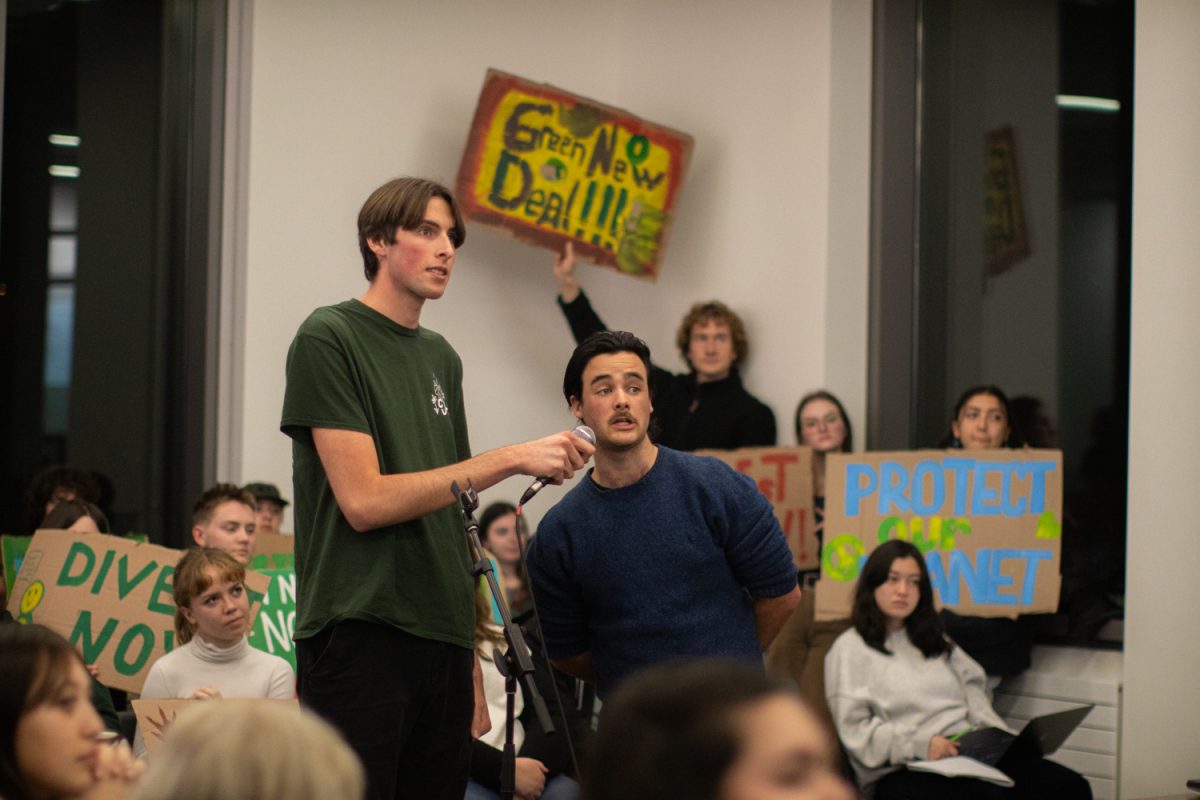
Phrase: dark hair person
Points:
(899, 690)
(822, 426)
(981, 421)
(55, 483)
(598, 344)
(498, 533)
(798, 652)
(52, 741)
(76, 515)
(710, 730)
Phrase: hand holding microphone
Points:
(581, 431)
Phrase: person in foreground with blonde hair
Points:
(252, 750)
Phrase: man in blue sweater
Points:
(656, 554)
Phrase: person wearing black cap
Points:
(269, 506)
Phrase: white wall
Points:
(345, 96)
(1160, 728)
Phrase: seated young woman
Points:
(543, 761)
(52, 742)
(983, 421)
(798, 652)
(212, 658)
(899, 689)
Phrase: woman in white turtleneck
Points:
(212, 658)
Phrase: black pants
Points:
(1038, 779)
(403, 703)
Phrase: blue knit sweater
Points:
(665, 568)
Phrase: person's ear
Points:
(198, 536)
(955, 429)
(187, 614)
(378, 247)
(577, 408)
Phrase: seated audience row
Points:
(212, 658)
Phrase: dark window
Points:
(106, 317)
(1001, 244)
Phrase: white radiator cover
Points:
(1065, 677)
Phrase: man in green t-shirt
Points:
(384, 596)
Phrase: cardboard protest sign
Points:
(12, 551)
(548, 167)
(989, 523)
(276, 621)
(273, 551)
(155, 716)
(784, 475)
(109, 596)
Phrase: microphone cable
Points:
(541, 635)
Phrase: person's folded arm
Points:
(770, 613)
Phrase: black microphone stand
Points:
(514, 665)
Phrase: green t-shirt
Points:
(352, 368)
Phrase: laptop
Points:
(1041, 737)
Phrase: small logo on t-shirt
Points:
(439, 399)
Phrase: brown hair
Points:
(712, 311)
(821, 394)
(68, 512)
(401, 203)
(80, 482)
(221, 493)
(191, 580)
(35, 666)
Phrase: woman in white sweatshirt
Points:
(212, 658)
(900, 690)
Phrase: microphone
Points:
(583, 432)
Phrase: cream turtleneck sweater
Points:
(238, 671)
